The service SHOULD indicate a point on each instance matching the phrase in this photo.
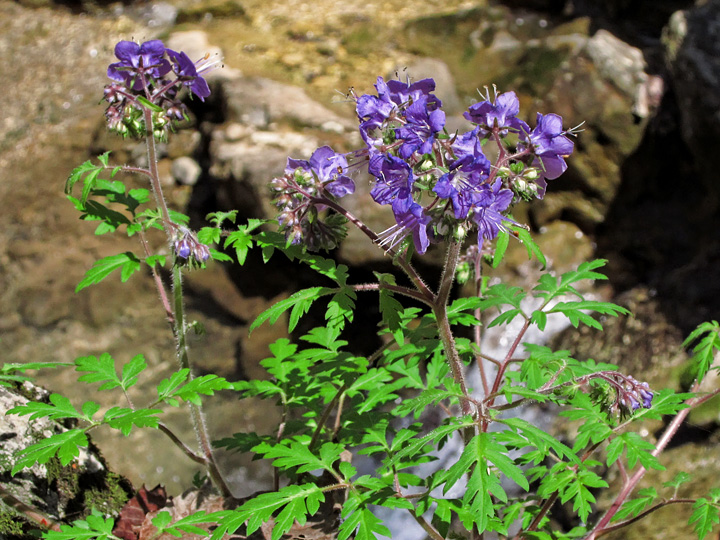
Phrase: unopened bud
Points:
(460, 233)
(201, 252)
(463, 272)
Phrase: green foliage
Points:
(707, 337)
(632, 507)
(706, 514)
(165, 525)
(295, 503)
(126, 262)
(94, 527)
(103, 370)
(9, 372)
(401, 405)
(181, 386)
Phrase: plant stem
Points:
(446, 335)
(629, 486)
(154, 172)
(477, 331)
(196, 414)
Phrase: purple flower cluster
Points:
(188, 247)
(306, 187)
(156, 73)
(437, 184)
(630, 394)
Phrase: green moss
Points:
(9, 524)
(361, 39)
(66, 479)
(110, 498)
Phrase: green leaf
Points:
(90, 172)
(526, 238)
(95, 526)
(665, 402)
(300, 302)
(125, 419)
(390, 307)
(126, 262)
(550, 287)
(680, 478)
(217, 218)
(64, 445)
(8, 370)
(632, 507)
(440, 433)
(704, 351)
(575, 311)
(503, 240)
(58, 409)
(341, 308)
(172, 389)
(103, 370)
(573, 482)
(359, 521)
(301, 500)
(188, 524)
(299, 455)
(636, 448)
(209, 235)
(705, 516)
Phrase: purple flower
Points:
(394, 97)
(183, 247)
(461, 184)
(329, 167)
(550, 146)
(394, 183)
(488, 209)
(488, 115)
(646, 395)
(400, 92)
(418, 134)
(412, 220)
(146, 60)
(462, 189)
(187, 73)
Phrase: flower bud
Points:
(463, 272)
(460, 233)
(201, 252)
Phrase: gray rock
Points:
(186, 170)
(260, 102)
(43, 491)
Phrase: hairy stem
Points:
(477, 331)
(446, 335)
(632, 482)
(198, 418)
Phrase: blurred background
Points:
(641, 190)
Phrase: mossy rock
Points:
(49, 493)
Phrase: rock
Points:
(259, 102)
(50, 492)
(438, 70)
(186, 171)
(692, 42)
